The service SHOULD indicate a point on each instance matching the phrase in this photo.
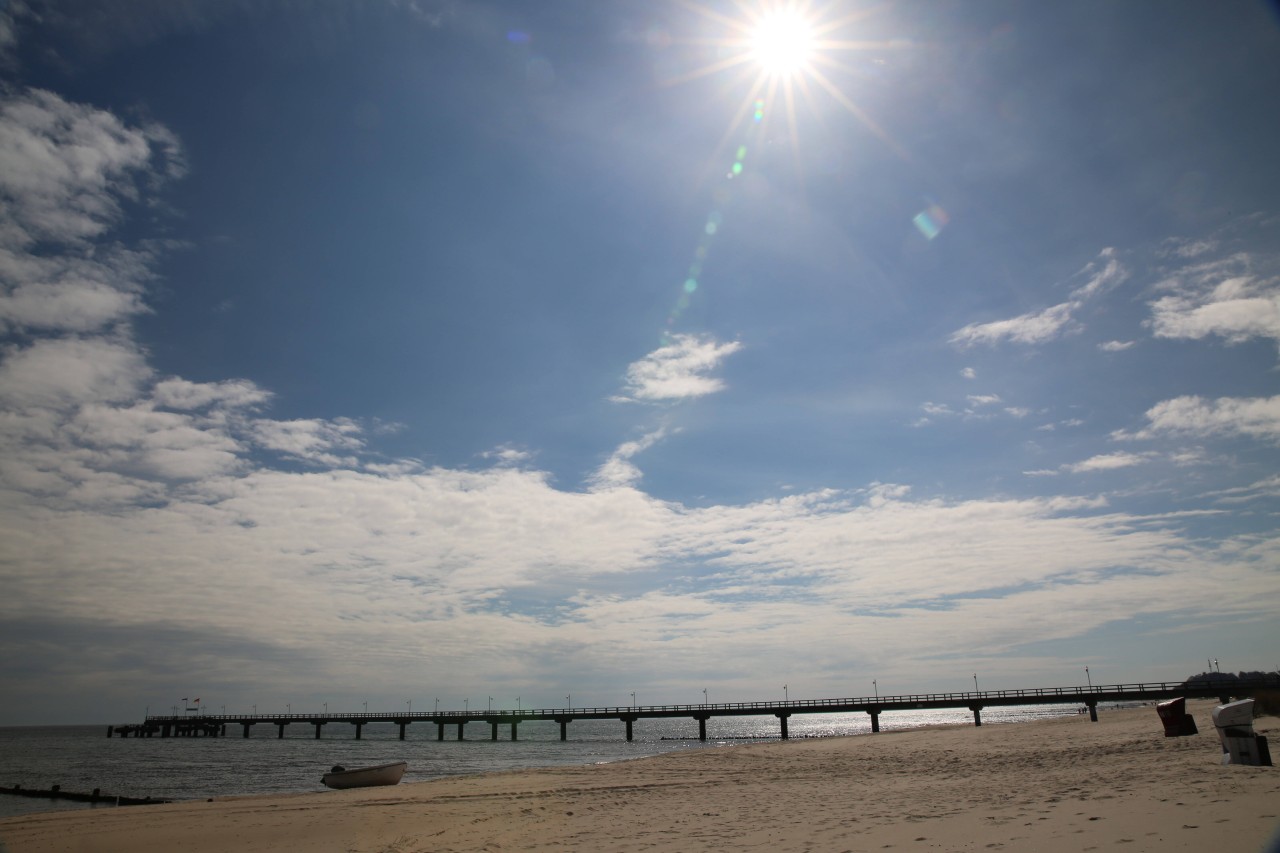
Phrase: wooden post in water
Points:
(402, 725)
(359, 726)
(977, 714)
(702, 726)
(461, 725)
(782, 718)
(280, 731)
(439, 729)
(629, 719)
(564, 727)
(514, 722)
(493, 730)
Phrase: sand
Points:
(1048, 786)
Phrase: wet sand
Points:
(1050, 786)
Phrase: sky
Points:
(529, 354)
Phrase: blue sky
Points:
(417, 350)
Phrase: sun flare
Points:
(782, 42)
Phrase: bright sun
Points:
(789, 53)
(782, 42)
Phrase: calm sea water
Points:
(81, 758)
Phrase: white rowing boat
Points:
(365, 777)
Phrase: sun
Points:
(783, 42)
(788, 56)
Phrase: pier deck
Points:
(215, 725)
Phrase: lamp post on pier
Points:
(975, 682)
(326, 708)
(786, 697)
(518, 707)
(705, 700)
(409, 702)
(289, 707)
(466, 705)
(876, 688)
(490, 703)
(437, 704)
(633, 700)
(1088, 678)
(568, 701)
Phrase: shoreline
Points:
(1059, 784)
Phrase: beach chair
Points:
(1177, 722)
(1240, 745)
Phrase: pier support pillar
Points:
(629, 720)
(439, 730)
(977, 714)
(875, 719)
(402, 728)
(461, 736)
(111, 729)
(318, 725)
(280, 731)
(702, 726)
(359, 726)
(1093, 711)
(513, 731)
(564, 728)
(166, 730)
(493, 730)
(245, 729)
(782, 718)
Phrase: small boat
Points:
(365, 777)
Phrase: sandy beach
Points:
(1049, 786)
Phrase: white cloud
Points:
(505, 454)
(1103, 274)
(64, 166)
(1235, 297)
(177, 393)
(983, 399)
(1115, 346)
(311, 440)
(1249, 417)
(618, 470)
(969, 373)
(1032, 328)
(677, 371)
(58, 373)
(1108, 462)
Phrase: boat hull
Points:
(366, 777)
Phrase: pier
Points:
(218, 725)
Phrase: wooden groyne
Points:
(1086, 697)
(94, 796)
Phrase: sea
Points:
(81, 758)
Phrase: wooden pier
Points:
(216, 725)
